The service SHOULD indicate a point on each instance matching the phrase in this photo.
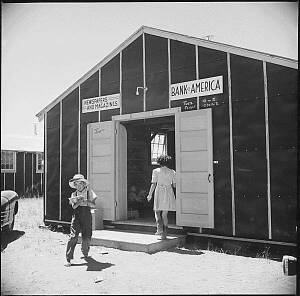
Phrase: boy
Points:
(82, 200)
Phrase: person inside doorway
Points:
(81, 200)
(162, 184)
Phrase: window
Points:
(39, 163)
(8, 161)
(158, 146)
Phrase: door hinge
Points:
(209, 175)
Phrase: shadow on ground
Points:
(10, 236)
(185, 251)
(244, 249)
(93, 265)
(57, 228)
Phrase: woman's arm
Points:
(174, 179)
(152, 188)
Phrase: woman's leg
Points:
(165, 218)
(159, 223)
(165, 223)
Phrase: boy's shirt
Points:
(83, 198)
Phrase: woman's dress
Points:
(164, 198)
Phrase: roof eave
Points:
(220, 46)
(116, 51)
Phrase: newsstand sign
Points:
(197, 88)
(101, 103)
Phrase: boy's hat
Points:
(76, 178)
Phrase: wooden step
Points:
(142, 226)
(134, 241)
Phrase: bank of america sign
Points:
(197, 88)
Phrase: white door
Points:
(101, 172)
(121, 172)
(194, 169)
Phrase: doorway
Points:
(146, 139)
(192, 141)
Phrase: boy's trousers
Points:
(81, 221)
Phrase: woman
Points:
(163, 178)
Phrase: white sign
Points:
(197, 88)
(101, 103)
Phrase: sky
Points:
(46, 47)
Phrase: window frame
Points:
(157, 145)
(14, 167)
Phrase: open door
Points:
(107, 167)
(194, 169)
(101, 172)
(121, 172)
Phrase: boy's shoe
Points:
(86, 257)
(68, 264)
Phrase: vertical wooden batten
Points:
(144, 74)
(45, 164)
(197, 71)
(231, 145)
(267, 150)
(79, 122)
(169, 69)
(88, 151)
(60, 154)
(24, 172)
(121, 81)
(99, 81)
(32, 169)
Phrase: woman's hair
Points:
(164, 160)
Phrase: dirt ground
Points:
(32, 262)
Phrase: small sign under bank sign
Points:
(197, 88)
(101, 103)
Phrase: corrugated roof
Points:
(180, 37)
(22, 143)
